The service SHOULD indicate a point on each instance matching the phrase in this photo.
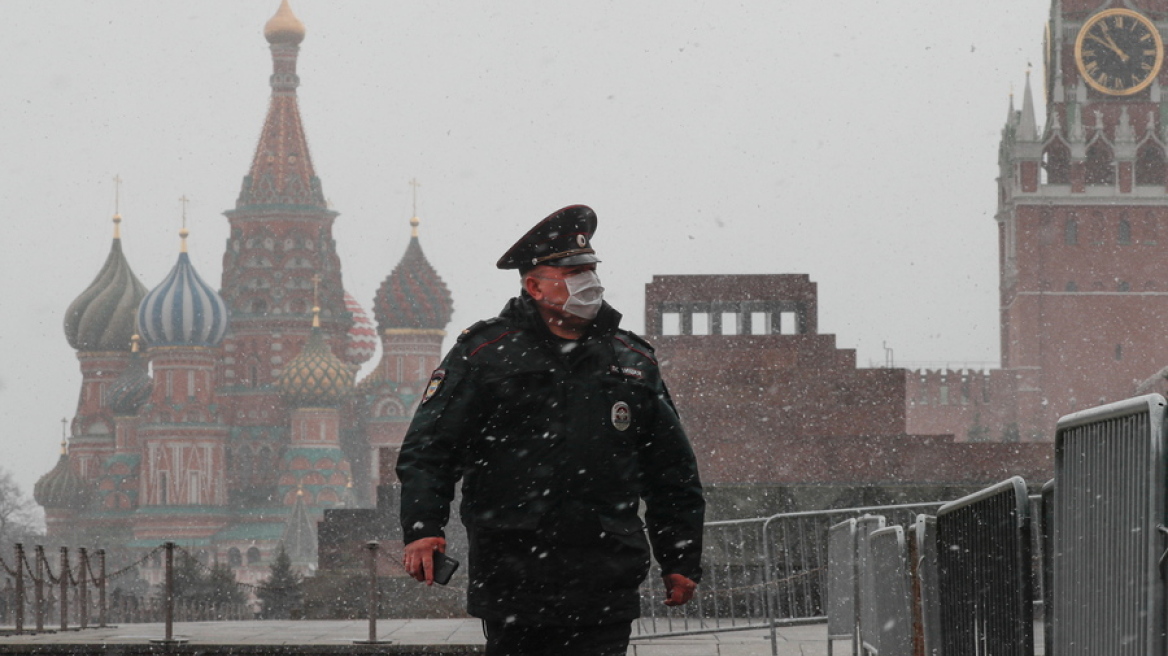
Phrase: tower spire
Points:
(1027, 124)
(281, 171)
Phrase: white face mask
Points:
(585, 294)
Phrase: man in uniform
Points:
(559, 426)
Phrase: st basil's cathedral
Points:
(227, 420)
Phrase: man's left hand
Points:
(678, 589)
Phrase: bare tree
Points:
(19, 518)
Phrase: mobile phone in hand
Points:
(444, 567)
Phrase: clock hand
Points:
(1111, 42)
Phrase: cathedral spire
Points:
(281, 171)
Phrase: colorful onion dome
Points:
(413, 296)
(315, 377)
(183, 310)
(284, 27)
(61, 488)
(130, 391)
(361, 344)
(102, 317)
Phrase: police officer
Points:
(559, 425)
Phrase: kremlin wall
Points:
(230, 419)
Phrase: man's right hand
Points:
(418, 558)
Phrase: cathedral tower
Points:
(281, 238)
(1083, 215)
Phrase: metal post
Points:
(169, 591)
(101, 602)
(372, 546)
(19, 587)
(168, 601)
(39, 588)
(63, 582)
(83, 589)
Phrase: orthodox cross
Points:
(415, 184)
(184, 200)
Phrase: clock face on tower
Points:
(1119, 52)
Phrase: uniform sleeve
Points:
(675, 509)
(429, 464)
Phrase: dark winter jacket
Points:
(557, 443)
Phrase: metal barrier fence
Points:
(1107, 595)
(841, 583)
(891, 594)
(985, 568)
(928, 608)
(758, 573)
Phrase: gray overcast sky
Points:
(854, 141)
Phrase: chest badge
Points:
(435, 384)
(621, 416)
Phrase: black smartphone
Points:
(444, 567)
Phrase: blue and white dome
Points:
(183, 310)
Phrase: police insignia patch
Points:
(621, 416)
(436, 379)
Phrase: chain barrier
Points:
(8, 570)
(138, 563)
(52, 579)
(28, 568)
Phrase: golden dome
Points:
(315, 377)
(284, 27)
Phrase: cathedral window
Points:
(253, 556)
(163, 489)
(1150, 165)
(1100, 165)
(234, 557)
(1071, 232)
(194, 488)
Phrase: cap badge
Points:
(581, 241)
(436, 379)
(621, 416)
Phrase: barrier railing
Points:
(841, 584)
(891, 594)
(985, 568)
(1108, 530)
(758, 573)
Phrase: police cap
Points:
(562, 239)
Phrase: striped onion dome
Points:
(183, 310)
(132, 388)
(62, 488)
(102, 317)
(315, 378)
(413, 296)
(362, 340)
